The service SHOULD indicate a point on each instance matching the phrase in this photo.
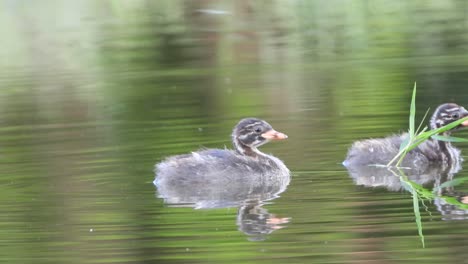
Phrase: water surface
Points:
(93, 94)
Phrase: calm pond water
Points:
(94, 93)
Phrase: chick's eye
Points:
(258, 129)
(455, 115)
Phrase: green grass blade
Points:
(415, 143)
(439, 130)
(402, 157)
(404, 143)
(417, 137)
(422, 122)
(417, 215)
(451, 183)
(413, 189)
(454, 201)
(423, 136)
(449, 138)
(412, 112)
(405, 184)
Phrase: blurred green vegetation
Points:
(93, 93)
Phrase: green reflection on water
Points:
(94, 93)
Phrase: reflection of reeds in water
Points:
(451, 205)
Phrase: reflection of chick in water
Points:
(464, 199)
(372, 176)
(450, 211)
(256, 222)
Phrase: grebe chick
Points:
(225, 168)
(382, 150)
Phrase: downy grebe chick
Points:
(382, 150)
(217, 168)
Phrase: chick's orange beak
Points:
(274, 135)
(464, 115)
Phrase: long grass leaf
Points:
(412, 112)
(415, 143)
(449, 138)
(417, 137)
(401, 152)
(453, 201)
(451, 183)
(405, 184)
(439, 130)
(412, 187)
(422, 122)
(402, 157)
(417, 215)
(404, 143)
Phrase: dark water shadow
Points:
(249, 197)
